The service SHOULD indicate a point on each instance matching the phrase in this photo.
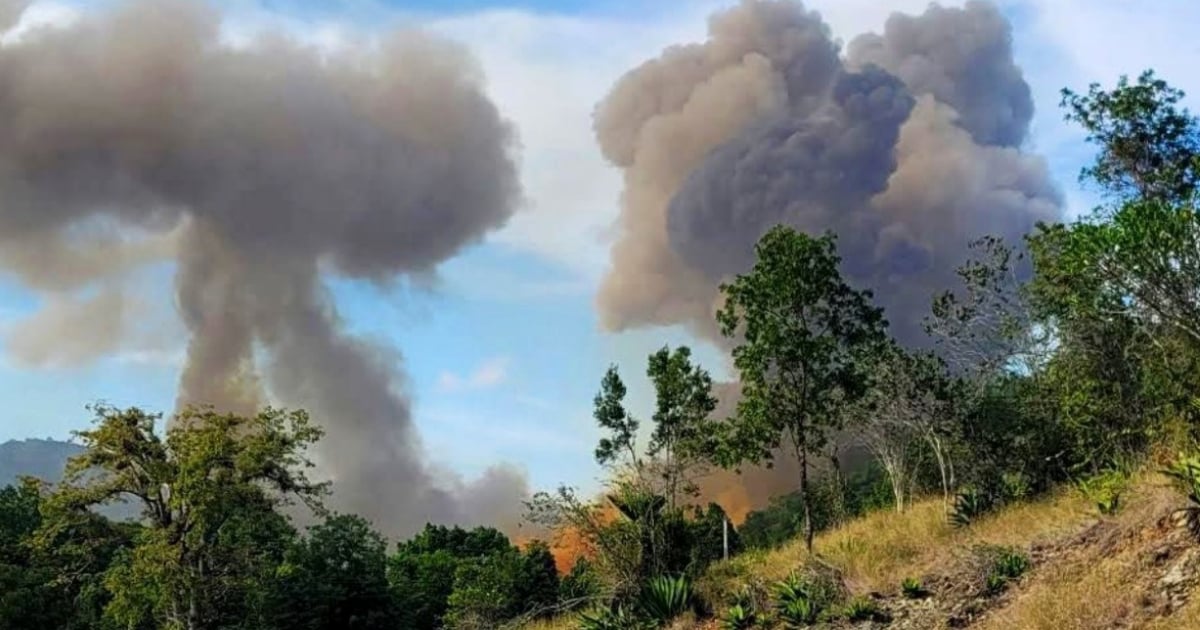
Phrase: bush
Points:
(801, 600)
(1008, 564)
(1105, 490)
(665, 598)
(580, 585)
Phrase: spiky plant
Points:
(665, 598)
(1185, 472)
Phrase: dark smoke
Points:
(259, 170)
(909, 147)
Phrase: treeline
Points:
(213, 549)
(1071, 357)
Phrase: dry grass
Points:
(1080, 586)
(1099, 585)
(876, 552)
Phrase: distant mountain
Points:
(45, 459)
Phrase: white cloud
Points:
(39, 15)
(489, 373)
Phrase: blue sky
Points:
(503, 353)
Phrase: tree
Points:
(683, 404)
(1149, 147)
(803, 335)
(422, 571)
(987, 328)
(908, 405)
(1140, 255)
(208, 493)
(334, 578)
(503, 586)
(620, 445)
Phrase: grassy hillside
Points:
(1134, 569)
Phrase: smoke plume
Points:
(259, 170)
(908, 146)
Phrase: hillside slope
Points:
(1135, 569)
(44, 459)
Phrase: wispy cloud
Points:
(489, 373)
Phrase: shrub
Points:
(1007, 565)
(1105, 490)
(580, 585)
(665, 598)
(911, 588)
(799, 601)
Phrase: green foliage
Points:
(912, 588)
(863, 491)
(802, 336)
(580, 585)
(614, 618)
(209, 493)
(1149, 147)
(422, 572)
(860, 608)
(611, 415)
(739, 616)
(1007, 565)
(1185, 472)
(683, 403)
(336, 577)
(969, 505)
(1105, 489)
(665, 598)
(800, 600)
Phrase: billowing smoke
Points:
(136, 136)
(908, 147)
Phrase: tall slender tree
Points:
(804, 337)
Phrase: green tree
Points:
(610, 413)
(423, 569)
(334, 578)
(803, 336)
(208, 492)
(1149, 146)
(683, 404)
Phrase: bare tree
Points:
(909, 405)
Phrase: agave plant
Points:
(1185, 471)
(969, 505)
(912, 588)
(614, 618)
(665, 598)
(738, 617)
(861, 609)
(795, 602)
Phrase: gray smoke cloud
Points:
(908, 146)
(259, 170)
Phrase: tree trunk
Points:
(839, 488)
(805, 499)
